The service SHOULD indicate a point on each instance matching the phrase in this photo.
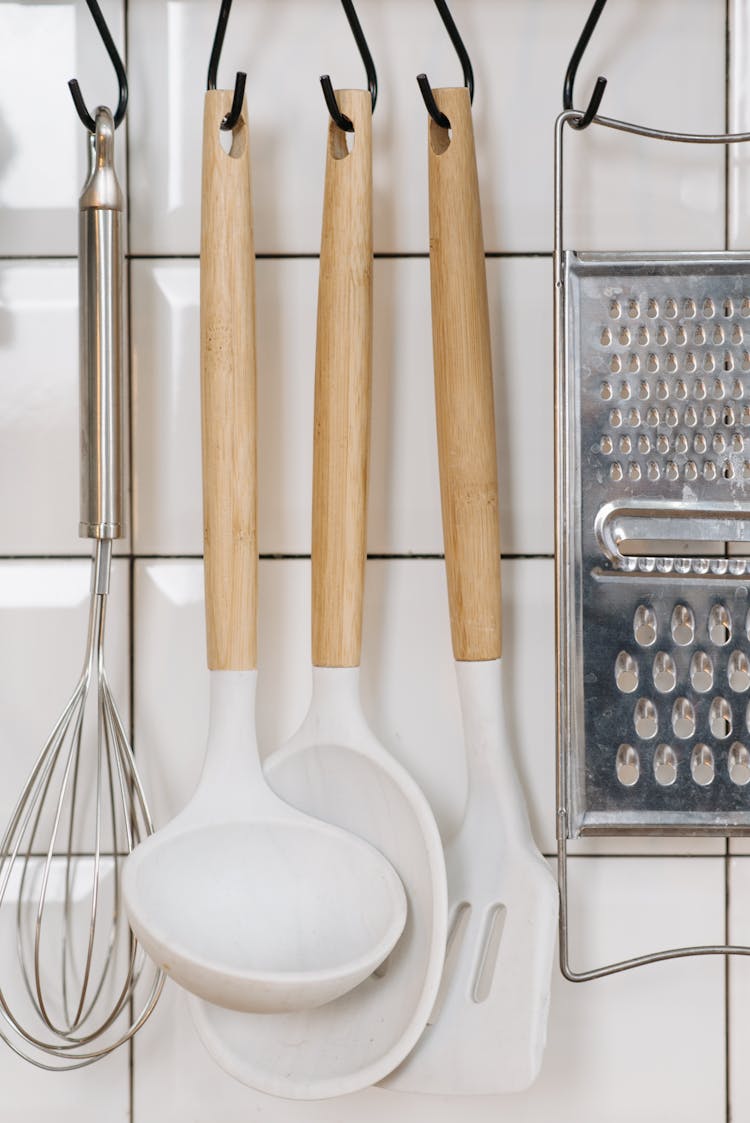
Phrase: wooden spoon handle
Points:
(463, 385)
(228, 397)
(343, 377)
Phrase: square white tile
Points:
(43, 145)
(43, 623)
(616, 1049)
(739, 988)
(404, 502)
(739, 121)
(623, 192)
(39, 420)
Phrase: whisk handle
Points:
(228, 396)
(100, 312)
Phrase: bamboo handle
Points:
(228, 399)
(343, 377)
(463, 385)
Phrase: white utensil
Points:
(487, 1032)
(242, 899)
(334, 767)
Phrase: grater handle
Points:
(463, 385)
(228, 398)
(343, 378)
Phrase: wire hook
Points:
(233, 116)
(463, 56)
(340, 118)
(122, 78)
(601, 83)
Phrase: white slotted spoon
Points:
(487, 1031)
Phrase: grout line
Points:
(727, 969)
(727, 988)
(134, 557)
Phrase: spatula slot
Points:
(493, 934)
(458, 924)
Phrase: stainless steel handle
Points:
(100, 296)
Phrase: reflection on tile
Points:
(616, 1048)
(404, 501)
(646, 195)
(42, 170)
(39, 425)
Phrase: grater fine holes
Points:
(664, 673)
(615, 364)
(700, 443)
(728, 308)
(717, 389)
(605, 391)
(652, 364)
(634, 365)
(662, 336)
(709, 363)
(690, 363)
(718, 335)
(615, 311)
(665, 765)
(680, 336)
(737, 389)
(652, 309)
(662, 390)
(634, 417)
(682, 625)
(709, 470)
(644, 390)
(738, 672)
(671, 471)
(709, 416)
(720, 719)
(728, 415)
(702, 765)
(644, 444)
(623, 336)
(719, 625)
(606, 445)
(681, 444)
(671, 364)
(606, 337)
(652, 417)
(737, 335)
(670, 308)
(728, 361)
(653, 470)
(691, 417)
(683, 718)
(745, 363)
(745, 416)
(634, 310)
(738, 761)
(643, 336)
(645, 719)
(625, 444)
(737, 566)
(662, 444)
(709, 310)
(691, 471)
(745, 307)
(719, 442)
(699, 335)
(680, 389)
(671, 417)
(699, 390)
(615, 418)
(701, 672)
(634, 471)
(738, 443)
(727, 470)
(624, 391)
(688, 308)
(615, 472)
(627, 765)
(644, 625)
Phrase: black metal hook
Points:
(601, 83)
(340, 118)
(122, 78)
(463, 56)
(233, 116)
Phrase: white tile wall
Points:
(650, 1046)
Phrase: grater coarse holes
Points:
(655, 467)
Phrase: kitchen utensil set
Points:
(304, 904)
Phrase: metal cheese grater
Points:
(653, 537)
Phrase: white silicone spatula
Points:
(487, 1030)
(242, 899)
(334, 766)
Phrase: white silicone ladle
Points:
(242, 899)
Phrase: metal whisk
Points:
(84, 985)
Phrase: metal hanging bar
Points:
(340, 118)
(122, 79)
(233, 116)
(463, 55)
